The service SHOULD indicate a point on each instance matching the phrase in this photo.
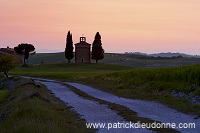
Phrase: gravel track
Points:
(92, 111)
(147, 109)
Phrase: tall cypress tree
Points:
(97, 50)
(69, 54)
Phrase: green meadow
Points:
(65, 71)
(156, 84)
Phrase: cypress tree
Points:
(69, 47)
(97, 50)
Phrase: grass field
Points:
(30, 108)
(113, 58)
(142, 83)
(3, 95)
(70, 72)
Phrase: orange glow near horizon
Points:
(149, 26)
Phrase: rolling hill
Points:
(134, 60)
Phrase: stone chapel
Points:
(82, 51)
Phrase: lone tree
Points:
(69, 47)
(97, 50)
(25, 49)
(7, 62)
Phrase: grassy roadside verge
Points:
(181, 105)
(3, 95)
(31, 108)
(155, 84)
(3, 89)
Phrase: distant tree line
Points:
(137, 56)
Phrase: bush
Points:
(7, 62)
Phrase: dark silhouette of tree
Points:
(7, 62)
(25, 49)
(69, 47)
(97, 50)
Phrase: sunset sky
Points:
(149, 26)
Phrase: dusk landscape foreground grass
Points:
(136, 83)
(154, 84)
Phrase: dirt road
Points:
(94, 112)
